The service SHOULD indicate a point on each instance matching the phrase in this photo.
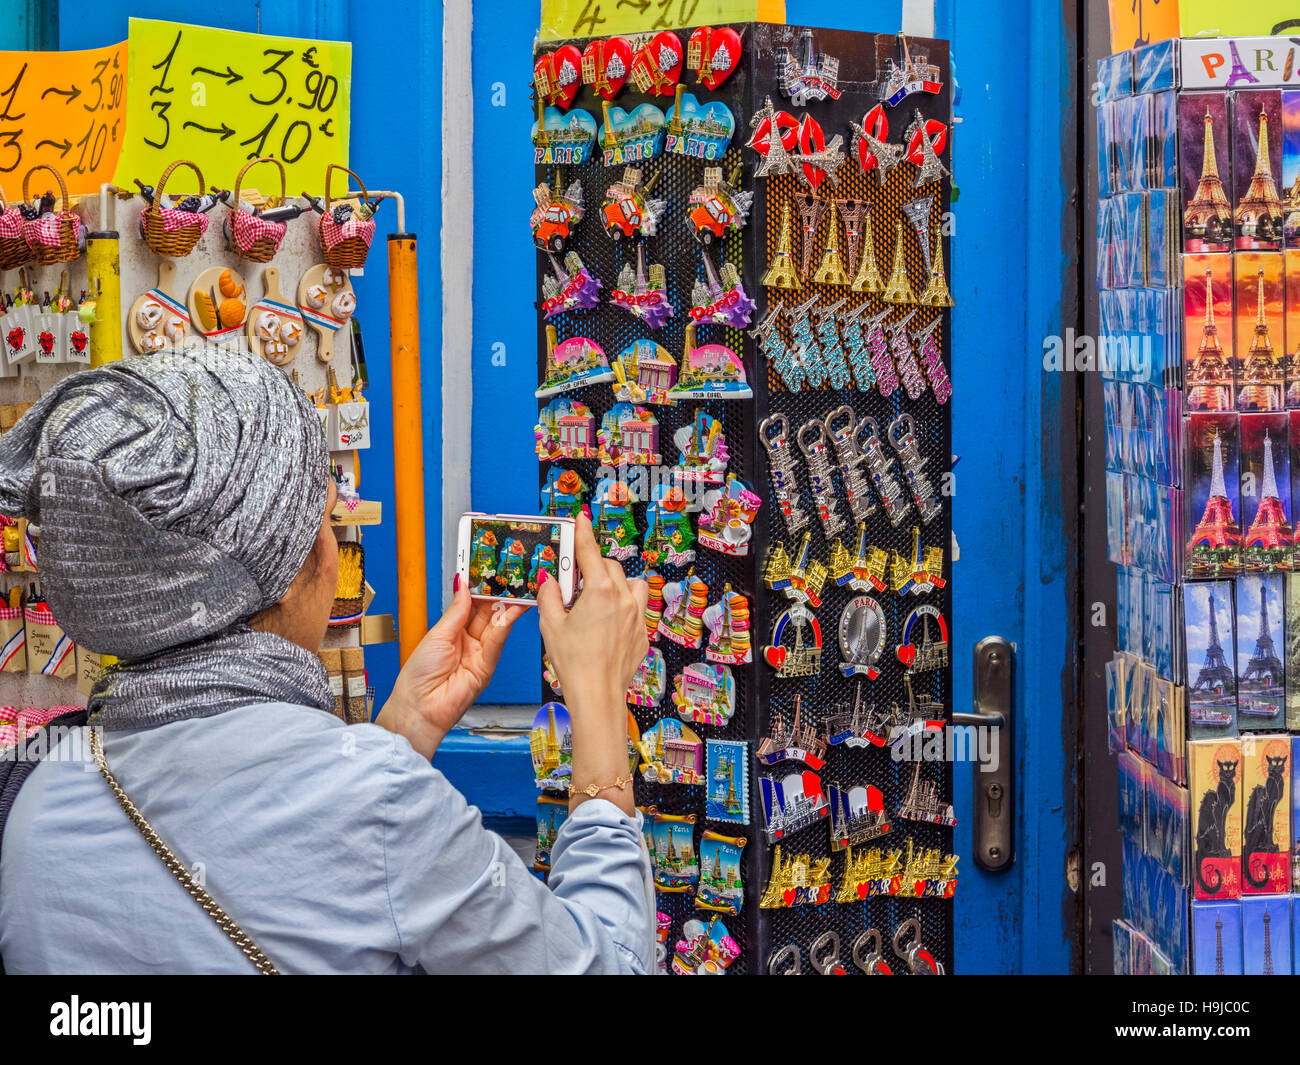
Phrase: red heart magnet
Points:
(606, 65)
(787, 128)
(557, 77)
(907, 654)
(812, 140)
(774, 656)
(864, 889)
(788, 896)
(714, 54)
(657, 65)
(876, 123)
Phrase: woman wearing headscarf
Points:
(183, 501)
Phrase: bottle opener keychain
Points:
(812, 442)
(901, 349)
(872, 962)
(888, 489)
(785, 961)
(824, 954)
(774, 432)
(927, 343)
(828, 335)
(902, 435)
(850, 460)
(919, 960)
(776, 350)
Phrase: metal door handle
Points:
(995, 666)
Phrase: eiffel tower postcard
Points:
(1261, 676)
(1206, 172)
(1291, 660)
(1211, 495)
(1261, 349)
(1290, 168)
(1210, 621)
(1257, 169)
(1267, 533)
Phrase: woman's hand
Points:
(448, 669)
(595, 650)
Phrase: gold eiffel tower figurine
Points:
(868, 278)
(899, 289)
(936, 292)
(782, 274)
(831, 271)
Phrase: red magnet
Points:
(876, 123)
(935, 132)
(787, 127)
(714, 54)
(657, 65)
(556, 76)
(812, 143)
(606, 65)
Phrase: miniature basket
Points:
(347, 609)
(345, 245)
(251, 238)
(58, 238)
(13, 245)
(169, 231)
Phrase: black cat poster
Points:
(1266, 815)
(1216, 773)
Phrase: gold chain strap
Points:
(224, 921)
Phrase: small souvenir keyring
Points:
(867, 429)
(773, 441)
(824, 954)
(920, 962)
(785, 962)
(871, 962)
(908, 434)
(845, 431)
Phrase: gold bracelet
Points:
(592, 790)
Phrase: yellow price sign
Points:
(67, 113)
(220, 98)
(602, 18)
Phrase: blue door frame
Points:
(1014, 155)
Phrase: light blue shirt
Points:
(337, 849)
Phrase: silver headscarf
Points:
(177, 494)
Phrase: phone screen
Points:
(506, 557)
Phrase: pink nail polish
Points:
(542, 578)
(455, 583)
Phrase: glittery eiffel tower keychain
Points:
(901, 348)
(776, 350)
(927, 345)
(880, 466)
(841, 426)
(828, 335)
(855, 345)
(807, 352)
(902, 435)
(812, 442)
(782, 468)
(878, 348)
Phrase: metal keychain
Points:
(901, 348)
(855, 347)
(878, 351)
(776, 350)
(812, 442)
(880, 465)
(807, 353)
(782, 466)
(902, 435)
(824, 954)
(927, 346)
(851, 460)
(917, 957)
(785, 961)
(871, 962)
(828, 335)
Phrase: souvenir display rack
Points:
(760, 693)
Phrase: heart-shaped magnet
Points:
(907, 654)
(864, 889)
(714, 54)
(606, 65)
(557, 76)
(774, 656)
(788, 896)
(657, 65)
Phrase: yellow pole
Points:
(408, 443)
(104, 277)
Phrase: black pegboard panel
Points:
(759, 691)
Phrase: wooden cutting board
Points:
(319, 291)
(275, 328)
(158, 315)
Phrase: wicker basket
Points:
(57, 240)
(251, 238)
(13, 245)
(344, 245)
(347, 610)
(168, 231)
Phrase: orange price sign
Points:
(1136, 22)
(69, 114)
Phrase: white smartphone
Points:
(501, 556)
